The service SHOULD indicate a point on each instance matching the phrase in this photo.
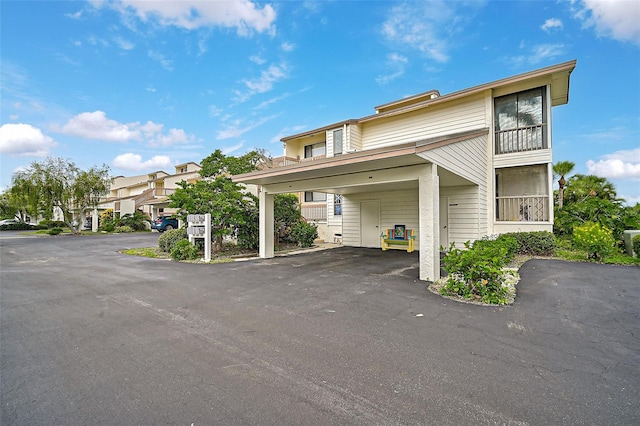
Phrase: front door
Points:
(370, 223)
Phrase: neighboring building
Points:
(452, 167)
(148, 192)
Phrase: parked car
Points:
(162, 224)
(9, 222)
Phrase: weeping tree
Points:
(560, 170)
(57, 184)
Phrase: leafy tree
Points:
(579, 187)
(560, 170)
(286, 214)
(58, 184)
(228, 202)
(221, 197)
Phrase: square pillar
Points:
(429, 219)
(266, 224)
(94, 220)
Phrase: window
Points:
(337, 204)
(314, 196)
(522, 194)
(337, 142)
(519, 121)
(314, 150)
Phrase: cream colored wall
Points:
(465, 221)
(439, 120)
(295, 148)
(397, 207)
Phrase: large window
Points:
(315, 150)
(314, 196)
(522, 194)
(520, 121)
(337, 142)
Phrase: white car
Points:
(9, 221)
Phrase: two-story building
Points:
(452, 167)
(147, 192)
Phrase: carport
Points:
(400, 184)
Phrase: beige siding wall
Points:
(424, 124)
(522, 158)
(354, 135)
(399, 207)
(465, 214)
(295, 148)
(467, 159)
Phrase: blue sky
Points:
(143, 86)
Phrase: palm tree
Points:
(560, 169)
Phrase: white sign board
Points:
(200, 227)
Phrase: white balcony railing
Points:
(314, 212)
(530, 138)
(533, 208)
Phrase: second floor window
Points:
(314, 150)
(314, 196)
(519, 121)
(337, 142)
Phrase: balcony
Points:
(314, 212)
(287, 161)
(530, 138)
(163, 192)
(534, 208)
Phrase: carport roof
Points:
(361, 161)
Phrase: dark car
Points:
(162, 224)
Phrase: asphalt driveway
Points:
(91, 336)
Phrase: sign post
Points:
(199, 226)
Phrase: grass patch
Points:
(152, 252)
(575, 255)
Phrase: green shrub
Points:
(476, 272)
(635, 243)
(49, 224)
(304, 233)
(54, 231)
(184, 250)
(595, 239)
(541, 243)
(108, 227)
(124, 229)
(169, 238)
(20, 226)
(136, 221)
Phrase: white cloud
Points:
(427, 26)
(264, 83)
(14, 117)
(552, 24)
(257, 59)
(243, 15)
(124, 44)
(76, 15)
(96, 125)
(287, 131)
(133, 162)
(288, 47)
(235, 129)
(396, 64)
(229, 149)
(617, 19)
(24, 140)
(618, 165)
(167, 64)
(175, 136)
(536, 54)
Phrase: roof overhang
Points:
(393, 157)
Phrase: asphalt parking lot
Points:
(92, 336)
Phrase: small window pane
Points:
(337, 204)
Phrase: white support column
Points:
(429, 211)
(94, 221)
(266, 224)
